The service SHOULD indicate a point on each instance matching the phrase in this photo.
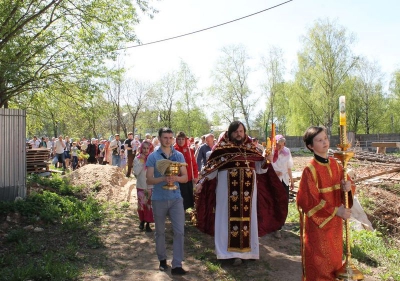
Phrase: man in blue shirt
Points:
(167, 202)
(203, 149)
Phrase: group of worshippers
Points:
(242, 194)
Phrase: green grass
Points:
(375, 250)
(367, 203)
(293, 213)
(213, 267)
(61, 212)
(302, 152)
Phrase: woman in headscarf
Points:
(144, 190)
(282, 162)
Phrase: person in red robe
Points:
(183, 146)
(240, 197)
(320, 201)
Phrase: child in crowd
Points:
(320, 200)
(122, 164)
(135, 145)
(74, 153)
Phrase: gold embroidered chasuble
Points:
(244, 219)
(239, 161)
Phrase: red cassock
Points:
(321, 231)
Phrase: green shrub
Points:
(16, 235)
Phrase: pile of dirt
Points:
(105, 182)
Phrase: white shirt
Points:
(283, 164)
(59, 146)
(114, 143)
(139, 170)
(135, 144)
(34, 143)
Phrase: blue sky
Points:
(376, 25)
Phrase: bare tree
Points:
(274, 69)
(114, 96)
(187, 85)
(325, 62)
(230, 86)
(136, 99)
(163, 96)
(368, 95)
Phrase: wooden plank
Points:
(378, 174)
(386, 144)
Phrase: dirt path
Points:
(129, 254)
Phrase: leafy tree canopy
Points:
(46, 43)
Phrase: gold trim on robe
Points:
(240, 189)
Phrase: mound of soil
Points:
(105, 182)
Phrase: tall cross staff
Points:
(348, 271)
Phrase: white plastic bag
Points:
(55, 160)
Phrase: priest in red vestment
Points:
(239, 197)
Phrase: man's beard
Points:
(238, 142)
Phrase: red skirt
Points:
(145, 211)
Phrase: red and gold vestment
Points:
(321, 231)
(242, 185)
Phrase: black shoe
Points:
(237, 262)
(163, 265)
(141, 225)
(178, 271)
(148, 228)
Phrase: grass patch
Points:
(69, 225)
(302, 152)
(46, 268)
(367, 203)
(293, 213)
(375, 250)
(213, 267)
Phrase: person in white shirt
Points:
(283, 163)
(59, 148)
(144, 190)
(35, 142)
(115, 147)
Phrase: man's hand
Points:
(171, 179)
(269, 158)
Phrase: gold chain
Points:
(245, 156)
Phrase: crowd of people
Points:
(239, 191)
(74, 153)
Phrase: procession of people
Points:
(237, 190)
